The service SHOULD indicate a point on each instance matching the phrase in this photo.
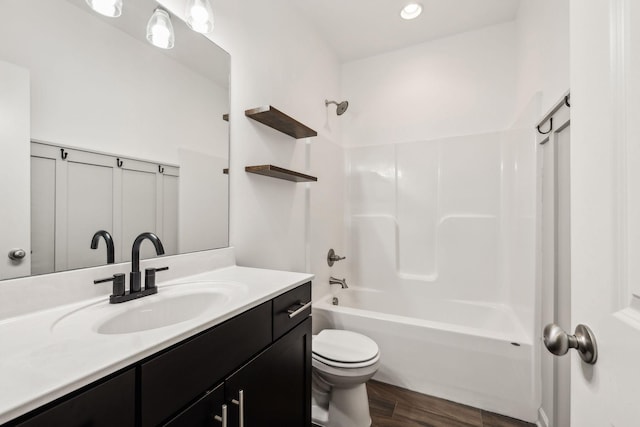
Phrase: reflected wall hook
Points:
(550, 127)
(566, 101)
(160, 169)
(63, 154)
(119, 162)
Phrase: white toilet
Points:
(343, 361)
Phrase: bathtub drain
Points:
(335, 301)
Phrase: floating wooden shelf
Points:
(280, 173)
(278, 120)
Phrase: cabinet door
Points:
(109, 404)
(203, 412)
(172, 380)
(276, 385)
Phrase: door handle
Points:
(559, 342)
(240, 403)
(222, 418)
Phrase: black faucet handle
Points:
(118, 283)
(150, 276)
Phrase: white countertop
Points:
(49, 353)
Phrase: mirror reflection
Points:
(103, 132)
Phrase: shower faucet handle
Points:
(332, 257)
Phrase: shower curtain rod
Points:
(564, 101)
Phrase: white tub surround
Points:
(469, 352)
(444, 230)
(50, 350)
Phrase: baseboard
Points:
(543, 420)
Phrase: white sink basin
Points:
(163, 312)
(172, 305)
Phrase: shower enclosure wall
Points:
(442, 250)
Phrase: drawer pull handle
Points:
(223, 418)
(293, 312)
(240, 403)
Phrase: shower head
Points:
(341, 107)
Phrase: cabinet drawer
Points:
(111, 403)
(290, 301)
(177, 377)
(202, 413)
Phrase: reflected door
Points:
(14, 170)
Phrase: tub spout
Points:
(334, 281)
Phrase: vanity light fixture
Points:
(199, 15)
(160, 30)
(411, 11)
(110, 8)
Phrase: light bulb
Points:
(411, 11)
(110, 8)
(160, 30)
(199, 16)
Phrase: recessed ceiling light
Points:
(411, 11)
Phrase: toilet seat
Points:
(346, 365)
(344, 349)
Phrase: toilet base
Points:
(319, 415)
(348, 407)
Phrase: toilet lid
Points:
(344, 346)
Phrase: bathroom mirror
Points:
(103, 131)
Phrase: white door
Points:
(605, 209)
(14, 171)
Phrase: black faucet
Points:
(109, 242)
(119, 294)
(134, 277)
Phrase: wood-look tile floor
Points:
(392, 406)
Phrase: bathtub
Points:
(477, 354)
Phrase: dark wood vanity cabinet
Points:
(110, 403)
(263, 355)
(173, 379)
(272, 389)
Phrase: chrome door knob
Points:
(17, 254)
(559, 342)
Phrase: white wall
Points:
(72, 60)
(459, 85)
(278, 59)
(543, 52)
(435, 163)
